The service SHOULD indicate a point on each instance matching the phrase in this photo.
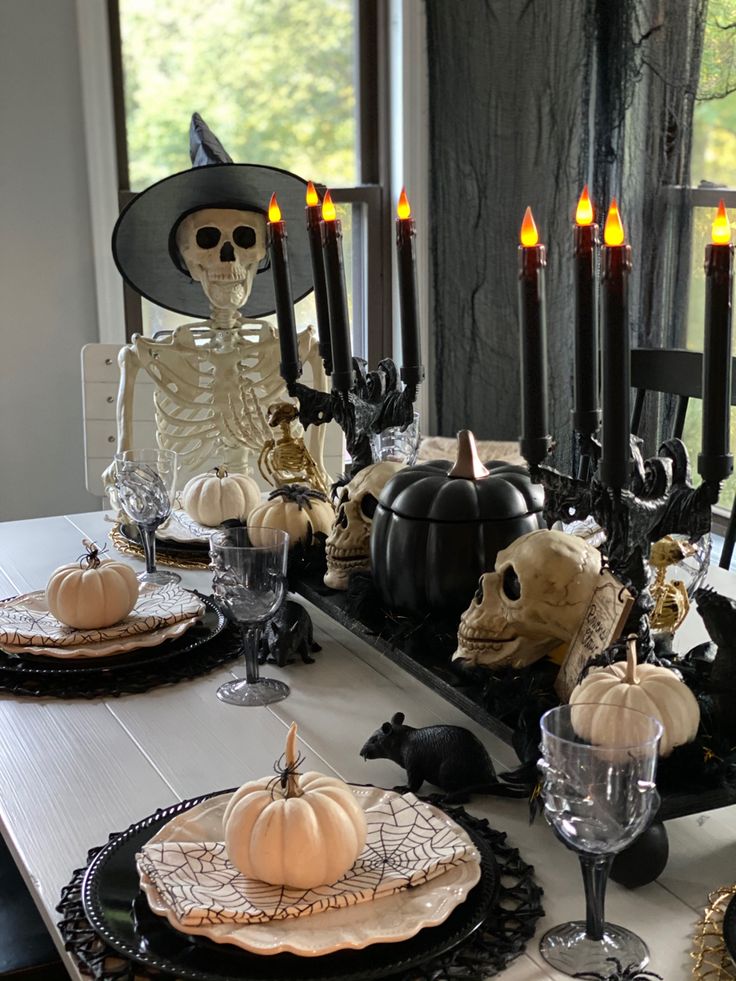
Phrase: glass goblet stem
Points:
(148, 540)
(250, 634)
(595, 870)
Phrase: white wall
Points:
(47, 286)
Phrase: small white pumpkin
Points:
(216, 496)
(650, 689)
(93, 593)
(300, 511)
(299, 831)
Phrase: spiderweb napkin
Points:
(406, 844)
(25, 621)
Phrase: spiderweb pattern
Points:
(406, 845)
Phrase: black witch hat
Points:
(143, 240)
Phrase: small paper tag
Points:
(600, 627)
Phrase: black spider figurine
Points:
(631, 973)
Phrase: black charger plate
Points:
(120, 915)
(168, 546)
(212, 623)
(729, 928)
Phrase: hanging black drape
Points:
(529, 99)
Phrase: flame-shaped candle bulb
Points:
(412, 372)
(291, 366)
(340, 340)
(535, 440)
(321, 304)
(715, 462)
(615, 465)
(586, 416)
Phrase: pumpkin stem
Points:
(632, 677)
(467, 464)
(220, 472)
(92, 558)
(292, 761)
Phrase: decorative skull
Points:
(221, 248)
(348, 544)
(537, 596)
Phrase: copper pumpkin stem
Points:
(467, 463)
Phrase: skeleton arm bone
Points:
(129, 367)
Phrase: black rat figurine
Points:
(449, 757)
(287, 634)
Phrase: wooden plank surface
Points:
(73, 771)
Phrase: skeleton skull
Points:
(221, 248)
(348, 544)
(536, 598)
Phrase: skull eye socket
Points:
(368, 506)
(510, 584)
(479, 592)
(244, 237)
(208, 237)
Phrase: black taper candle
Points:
(615, 465)
(314, 231)
(342, 353)
(535, 440)
(291, 366)
(412, 372)
(586, 416)
(715, 462)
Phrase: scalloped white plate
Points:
(106, 648)
(388, 920)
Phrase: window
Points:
(289, 83)
(713, 168)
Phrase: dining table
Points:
(74, 770)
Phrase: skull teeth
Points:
(344, 555)
(476, 642)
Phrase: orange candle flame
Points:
(529, 233)
(328, 208)
(312, 196)
(274, 212)
(613, 232)
(403, 208)
(721, 228)
(584, 212)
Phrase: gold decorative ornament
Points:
(671, 603)
(712, 960)
(287, 460)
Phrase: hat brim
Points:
(141, 237)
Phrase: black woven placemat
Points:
(501, 939)
(110, 680)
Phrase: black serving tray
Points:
(120, 915)
(211, 624)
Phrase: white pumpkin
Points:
(93, 593)
(302, 831)
(298, 510)
(216, 496)
(650, 689)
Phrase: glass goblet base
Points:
(158, 578)
(264, 691)
(569, 949)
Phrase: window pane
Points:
(274, 79)
(714, 134)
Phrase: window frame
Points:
(370, 198)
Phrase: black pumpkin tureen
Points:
(439, 525)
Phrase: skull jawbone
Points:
(516, 652)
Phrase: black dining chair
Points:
(676, 372)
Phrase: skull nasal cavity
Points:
(342, 519)
(227, 253)
(511, 584)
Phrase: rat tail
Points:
(494, 789)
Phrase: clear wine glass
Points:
(250, 583)
(145, 481)
(599, 794)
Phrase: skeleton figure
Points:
(537, 596)
(671, 602)
(348, 544)
(287, 460)
(212, 379)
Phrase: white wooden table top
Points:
(73, 771)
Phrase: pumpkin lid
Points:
(427, 492)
